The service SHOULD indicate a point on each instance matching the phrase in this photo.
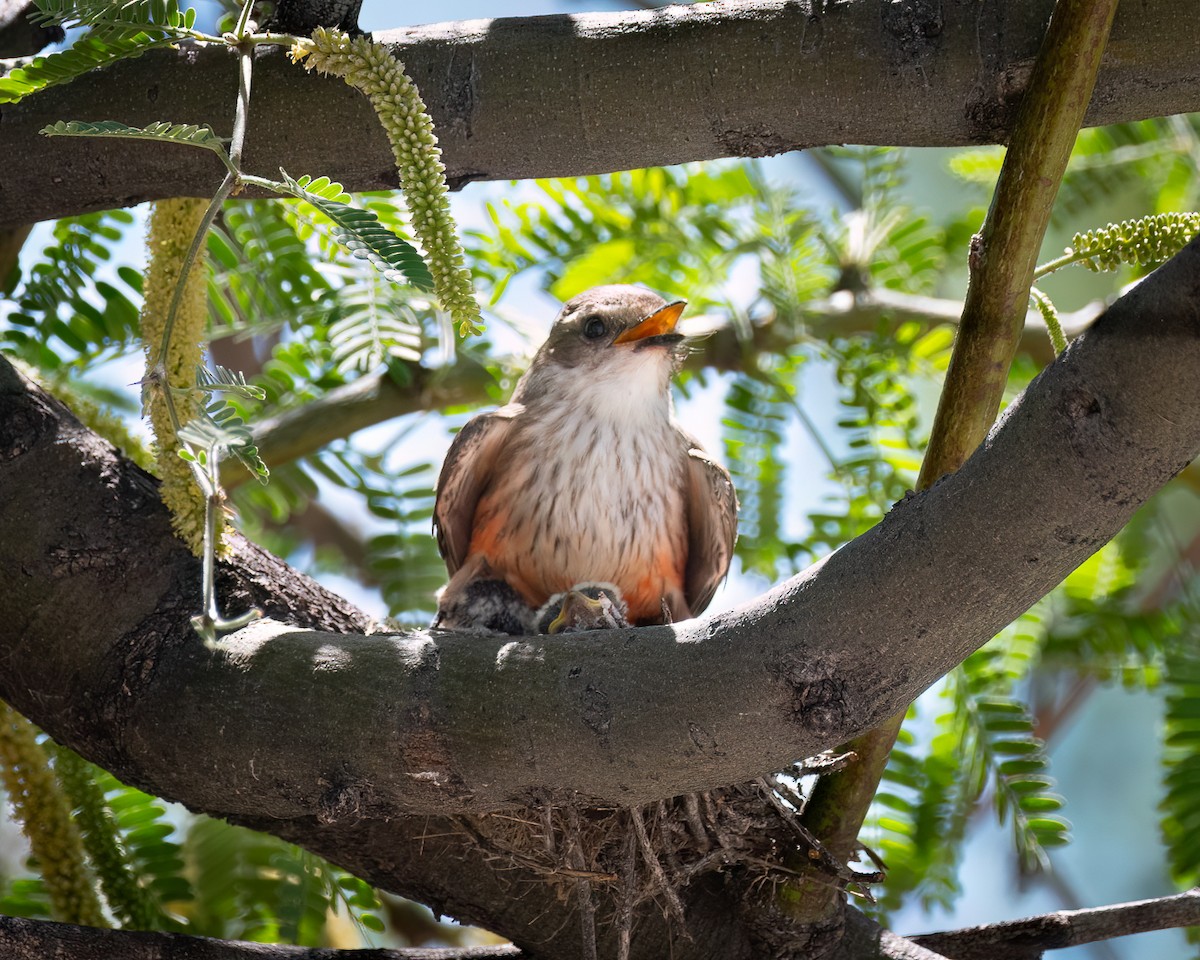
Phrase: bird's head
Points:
(617, 337)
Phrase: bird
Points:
(586, 606)
(585, 476)
(488, 604)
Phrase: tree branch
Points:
(567, 95)
(1004, 253)
(299, 431)
(19, 36)
(483, 722)
(304, 16)
(12, 239)
(397, 732)
(1027, 939)
(1002, 260)
(22, 939)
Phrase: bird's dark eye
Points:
(594, 329)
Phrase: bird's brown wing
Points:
(712, 526)
(465, 475)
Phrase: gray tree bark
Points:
(590, 93)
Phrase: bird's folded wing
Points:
(468, 470)
(712, 527)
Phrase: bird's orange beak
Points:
(660, 322)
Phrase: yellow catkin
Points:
(370, 68)
(1145, 241)
(173, 225)
(41, 807)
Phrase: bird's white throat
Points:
(631, 390)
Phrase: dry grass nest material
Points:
(613, 861)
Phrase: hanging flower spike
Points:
(370, 68)
(1146, 241)
(132, 904)
(173, 224)
(44, 813)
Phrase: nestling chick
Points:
(486, 605)
(586, 606)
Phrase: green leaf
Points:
(263, 273)
(371, 922)
(84, 56)
(218, 428)
(108, 18)
(604, 263)
(1020, 766)
(1180, 806)
(372, 328)
(64, 316)
(128, 899)
(190, 135)
(26, 897)
(153, 855)
(362, 233)
(222, 379)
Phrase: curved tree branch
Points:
(450, 722)
(22, 939)
(360, 747)
(568, 95)
(1025, 939)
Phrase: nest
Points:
(612, 861)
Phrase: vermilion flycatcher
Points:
(585, 476)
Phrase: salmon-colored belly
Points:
(540, 557)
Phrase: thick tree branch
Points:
(12, 239)
(568, 95)
(19, 36)
(447, 722)
(304, 16)
(328, 739)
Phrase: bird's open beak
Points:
(576, 606)
(660, 322)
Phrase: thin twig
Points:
(691, 806)
(628, 897)
(674, 904)
(1028, 938)
(817, 855)
(583, 888)
(547, 814)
